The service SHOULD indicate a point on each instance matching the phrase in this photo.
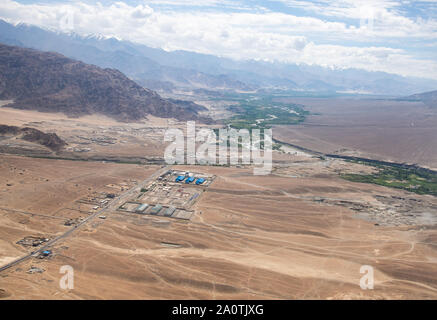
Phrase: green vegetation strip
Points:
(261, 112)
(410, 178)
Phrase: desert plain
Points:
(301, 232)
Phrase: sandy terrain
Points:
(93, 136)
(251, 237)
(386, 130)
(299, 233)
(38, 196)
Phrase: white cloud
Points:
(386, 15)
(246, 35)
(141, 12)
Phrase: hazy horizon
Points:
(397, 37)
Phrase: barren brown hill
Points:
(50, 82)
(49, 140)
(428, 98)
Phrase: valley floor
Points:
(397, 131)
(301, 232)
(281, 236)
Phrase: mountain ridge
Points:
(168, 70)
(429, 98)
(51, 82)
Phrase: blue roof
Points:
(200, 181)
(190, 179)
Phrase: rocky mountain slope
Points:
(114, 54)
(50, 82)
(49, 140)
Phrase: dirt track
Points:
(271, 241)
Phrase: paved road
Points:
(113, 205)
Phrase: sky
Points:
(376, 35)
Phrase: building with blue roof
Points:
(189, 180)
(200, 181)
(180, 178)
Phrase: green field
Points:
(417, 180)
(261, 112)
